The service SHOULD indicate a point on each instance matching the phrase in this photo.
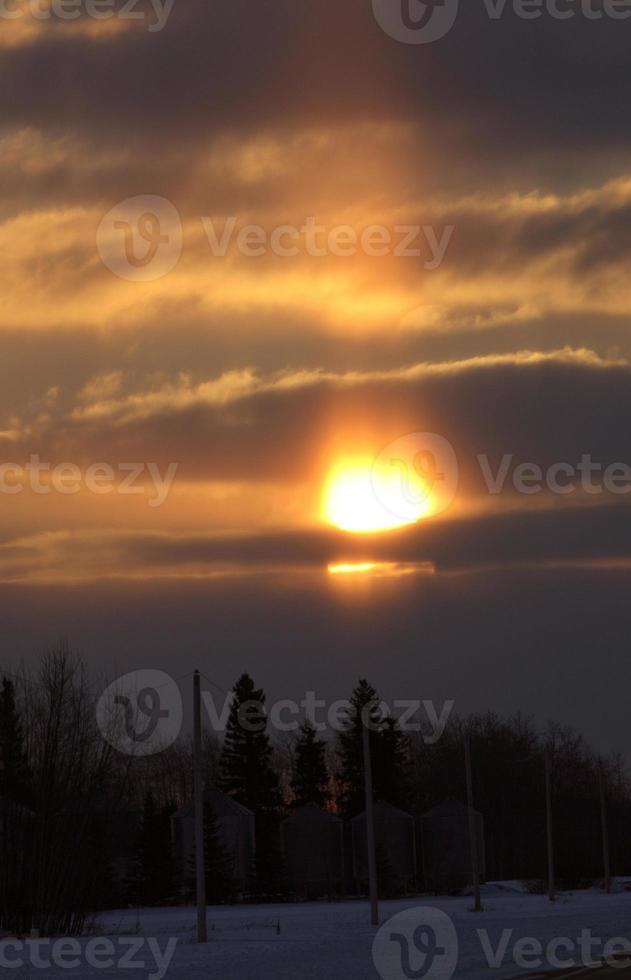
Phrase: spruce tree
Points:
(221, 883)
(393, 784)
(388, 749)
(310, 778)
(246, 774)
(350, 747)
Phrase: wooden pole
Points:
(473, 829)
(198, 792)
(550, 839)
(370, 826)
(605, 829)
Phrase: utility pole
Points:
(198, 792)
(473, 829)
(605, 829)
(551, 885)
(370, 824)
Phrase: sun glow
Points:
(363, 496)
(354, 568)
(380, 569)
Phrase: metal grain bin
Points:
(446, 847)
(313, 851)
(236, 825)
(395, 841)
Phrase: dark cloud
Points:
(562, 535)
(210, 344)
(551, 411)
(494, 87)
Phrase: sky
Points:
(264, 261)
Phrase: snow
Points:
(322, 941)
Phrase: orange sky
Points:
(248, 392)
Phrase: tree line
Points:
(84, 828)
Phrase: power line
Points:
(213, 684)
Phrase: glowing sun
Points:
(361, 496)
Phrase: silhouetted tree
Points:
(392, 782)
(388, 753)
(15, 775)
(247, 775)
(72, 772)
(350, 746)
(16, 825)
(246, 772)
(219, 863)
(310, 778)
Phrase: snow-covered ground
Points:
(321, 941)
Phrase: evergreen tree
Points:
(350, 747)
(310, 779)
(388, 749)
(219, 863)
(246, 772)
(392, 782)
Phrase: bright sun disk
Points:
(363, 497)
